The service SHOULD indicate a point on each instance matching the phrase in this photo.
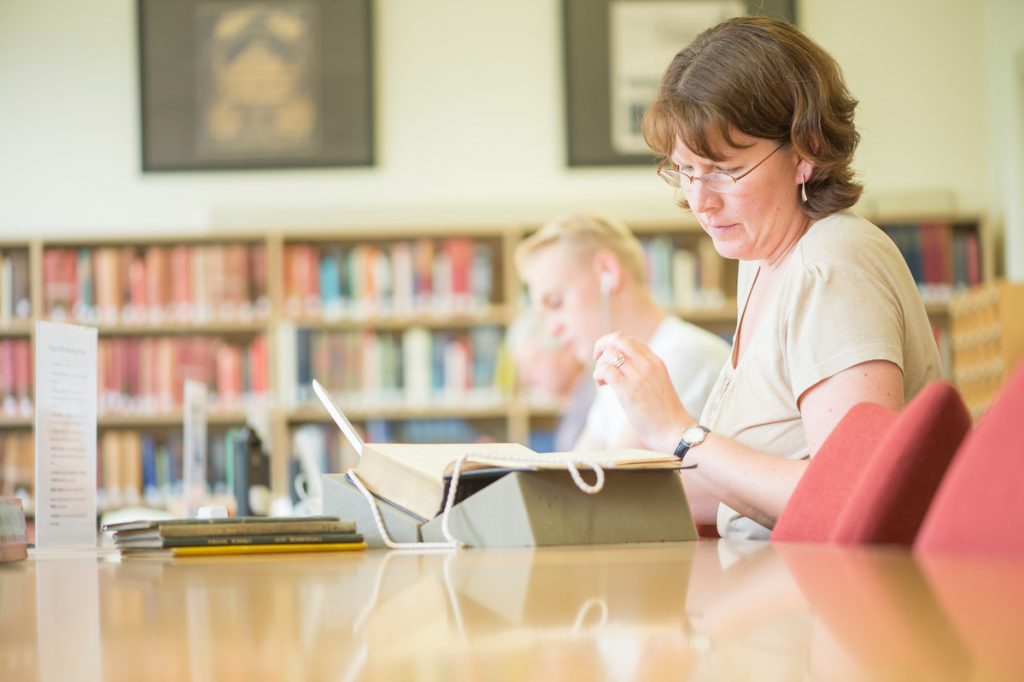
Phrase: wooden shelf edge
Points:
(485, 410)
(136, 420)
(726, 313)
(129, 420)
(490, 316)
(16, 331)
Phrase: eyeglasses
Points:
(721, 183)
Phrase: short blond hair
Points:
(586, 235)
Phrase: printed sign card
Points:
(65, 435)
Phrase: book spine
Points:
(274, 539)
(20, 285)
(261, 526)
(6, 293)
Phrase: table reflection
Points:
(704, 610)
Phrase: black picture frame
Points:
(255, 84)
(587, 72)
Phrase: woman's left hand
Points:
(642, 384)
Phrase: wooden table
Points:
(708, 610)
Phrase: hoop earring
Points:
(803, 188)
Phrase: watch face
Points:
(694, 435)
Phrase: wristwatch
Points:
(693, 436)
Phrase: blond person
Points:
(586, 274)
(755, 127)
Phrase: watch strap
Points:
(684, 445)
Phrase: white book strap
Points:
(451, 542)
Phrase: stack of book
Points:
(236, 535)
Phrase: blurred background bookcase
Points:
(405, 326)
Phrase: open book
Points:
(412, 476)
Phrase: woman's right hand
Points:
(644, 389)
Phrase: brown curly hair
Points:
(766, 79)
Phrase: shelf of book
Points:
(987, 331)
(150, 282)
(946, 255)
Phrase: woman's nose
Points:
(700, 198)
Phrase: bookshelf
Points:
(404, 325)
(987, 340)
(946, 254)
(687, 276)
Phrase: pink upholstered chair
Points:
(874, 477)
(891, 498)
(979, 509)
(971, 546)
(811, 512)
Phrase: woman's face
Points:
(566, 292)
(761, 218)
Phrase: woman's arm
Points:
(753, 483)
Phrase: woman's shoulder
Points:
(846, 238)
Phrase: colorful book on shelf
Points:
(21, 305)
(6, 286)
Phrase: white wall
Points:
(470, 121)
(1004, 69)
(915, 66)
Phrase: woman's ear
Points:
(804, 171)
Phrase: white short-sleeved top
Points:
(846, 297)
(694, 358)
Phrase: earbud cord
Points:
(606, 311)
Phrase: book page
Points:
(435, 460)
(65, 432)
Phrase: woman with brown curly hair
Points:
(755, 127)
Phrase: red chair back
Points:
(979, 509)
(889, 502)
(821, 494)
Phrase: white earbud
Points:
(605, 283)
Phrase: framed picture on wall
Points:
(615, 52)
(232, 84)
